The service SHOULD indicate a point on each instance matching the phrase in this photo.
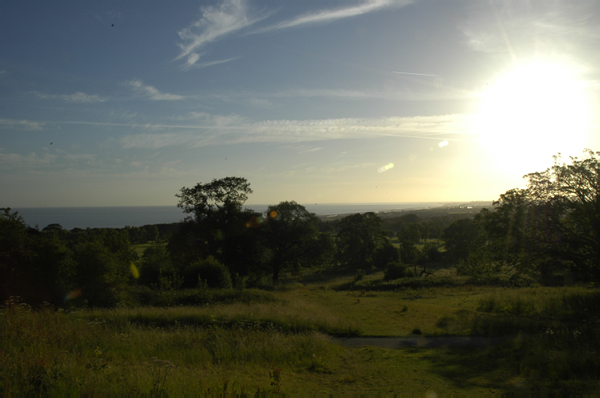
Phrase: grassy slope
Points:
(112, 351)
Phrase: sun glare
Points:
(531, 114)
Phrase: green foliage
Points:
(409, 254)
(432, 252)
(461, 237)
(396, 270)
(35, 266)
(198, 297)
(145, 234)
(217, 226)
(100, 274)
(359, 276)
(384, 255)
(217, 198)
(568, 195)
(550, 230)
(412, 233)
(208, 272)
(15, 252)
(478, 264)
(358, 237)
(292, 240)
(157, 269)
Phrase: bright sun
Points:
(532, 113)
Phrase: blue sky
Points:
(123, 103)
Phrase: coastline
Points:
(137, 216)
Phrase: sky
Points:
(113, 103)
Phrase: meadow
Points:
(293, 339)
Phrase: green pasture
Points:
(285, 341)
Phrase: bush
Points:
(208, 271)
(359, 276)
(396, 270)
(385, 255)
(100, 274)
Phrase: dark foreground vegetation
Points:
(230, 300)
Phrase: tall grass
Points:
(144, 296)
(555, 335)
(51, 352)
(284, 317)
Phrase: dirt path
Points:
(419, 341)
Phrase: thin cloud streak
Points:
(327, 16)
(78, 97)
(448, 93)
(413, 74)
(212, 63)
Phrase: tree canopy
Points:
(291, 236)
(358, 237)
(217, 226)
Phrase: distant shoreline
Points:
(137, 216)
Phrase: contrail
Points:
(415, 74)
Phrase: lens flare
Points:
(273, 214)
(73, 294)
(385, 168)
(254, 222)
(134, 271)
(443, 143)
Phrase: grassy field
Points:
(286, 341)
(141, 248)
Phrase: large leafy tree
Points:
(507, 237)
(217, 225)
(359, 235)
(461, 237)
(37, 266)
(569, 198)
(292, 239)
(551, 226)
(216, 199)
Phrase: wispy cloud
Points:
(413, 74)
(260, 103)
(327, 16)
(212, 63)
(28, 161)
(392, 95)
(232, 16)
(20, 124)
(214, 24)
(150, 92)
(78, 97)
(302, 131)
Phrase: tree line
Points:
(549, 231)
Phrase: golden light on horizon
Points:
(532, 113)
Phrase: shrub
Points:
(359, 276)
(396, 270)
(384, 255)
(208, 271)
(100, 274)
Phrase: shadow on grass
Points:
(476, 366)
(515, 369)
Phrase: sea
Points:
(136, 216)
